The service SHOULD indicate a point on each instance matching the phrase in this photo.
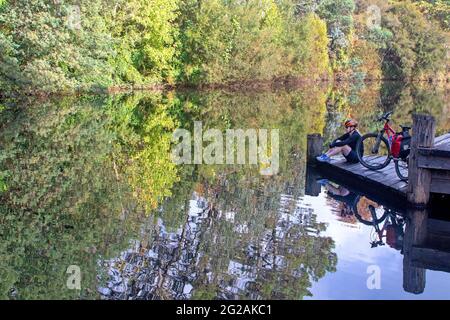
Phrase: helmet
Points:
(351, 123)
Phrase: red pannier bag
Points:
(396, 144)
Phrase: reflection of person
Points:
(345, 145)
(343, 195)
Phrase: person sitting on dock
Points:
(345, 145)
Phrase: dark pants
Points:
(352, 157)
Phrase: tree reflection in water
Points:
(79, 175)
(278, 263)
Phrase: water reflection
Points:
(276, 263)
(81, 177)
(419, 237)
(353, 208)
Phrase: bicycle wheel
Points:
(376, 153)
(377, 215)
(401, 168)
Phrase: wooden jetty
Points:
(426, 243)
(427, 240)
(429, 166)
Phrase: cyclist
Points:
(345, 145)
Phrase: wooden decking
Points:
(435, 159)
(386, 178)
(441, 146)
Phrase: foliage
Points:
(417, 46)
(438, 10)
(81, 176)
(224, 41)
(54, 47)
(48, 46)
(144, 35)
(339, 17)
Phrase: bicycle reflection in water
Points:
(389, 226)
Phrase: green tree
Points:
(339, 17)
(417, 47)
(53, 47)
(144, 35)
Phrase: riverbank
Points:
(232, 86)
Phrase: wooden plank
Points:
(441, 151)
(443, 148)
(339, 159)
(394, 199)
(347, 165)
(367, 172)
(404, 188)
(438, 226)
(399, 185)
(336, 161)
(381, 175)
(440, 186)
(375, 159)
(438, 234)
(430, 258)
(440, 174)
(364, 186)
(342, 162)
(314, 146)
(415, 235)
(440, 181)
(385, 179)
(362, 171)
(441, 139)
(433, 162)
(386, 176)
(312, 188)
(438, 241)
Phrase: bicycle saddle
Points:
(405, 127)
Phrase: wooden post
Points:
(415, 235)
(312, 188)
(423, 132)
(314, 147)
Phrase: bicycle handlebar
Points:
(385, 116)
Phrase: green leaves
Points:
(224, 42)
(417, 47)
(3, 185)
(51, 48)
(48, 46)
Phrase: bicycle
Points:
(392, 230)
(382, 150)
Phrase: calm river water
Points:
(93, 207)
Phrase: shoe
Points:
(323, 158)
(323, 182)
